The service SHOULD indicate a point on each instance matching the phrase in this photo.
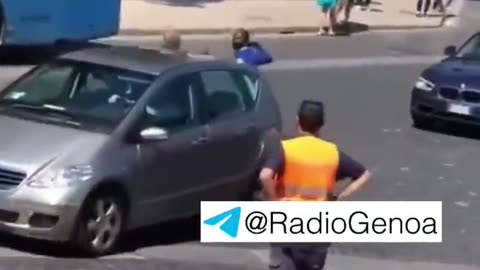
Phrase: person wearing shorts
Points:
(329, 18)
(345, 6)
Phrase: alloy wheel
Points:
(104, 223)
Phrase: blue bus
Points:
(48, 22)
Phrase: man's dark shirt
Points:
(273, 155)
(274, 159)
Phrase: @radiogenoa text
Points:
(321, 221)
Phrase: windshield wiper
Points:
(44, 108)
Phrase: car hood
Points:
(455, 73)
(29, 146)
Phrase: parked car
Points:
(450, 90)
(105, 140)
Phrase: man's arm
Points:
(350, 168)
(272, 166)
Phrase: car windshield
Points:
(471, 50)
(74, 93)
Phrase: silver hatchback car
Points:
(105, 140)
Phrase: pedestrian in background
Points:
(364, 4)
(329, 17)
(448, 4)
(423, 6)
(247, 51)
(345, 6)
(172, 40)
(439, 6)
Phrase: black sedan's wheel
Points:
(100, 224)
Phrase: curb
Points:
(276, 30)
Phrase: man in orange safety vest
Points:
(307, 168)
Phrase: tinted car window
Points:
(173, 107)
(228, 92)
(94, 96)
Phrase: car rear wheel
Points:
(100, 224)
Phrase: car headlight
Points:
(424, 84)
(62, 178)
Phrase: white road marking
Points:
(195, 252)
(473, 194)
(304, 64)
(261, 254)
(301, 64)
(123, 256)
(462, 204)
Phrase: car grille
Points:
(469, 96)
(10, 179)
(449, 93)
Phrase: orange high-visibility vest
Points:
(310, 169)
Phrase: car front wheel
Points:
(100, 224)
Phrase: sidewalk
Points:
(151, 17)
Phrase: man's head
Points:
(240, 38)
(172, 40)
(311, 116)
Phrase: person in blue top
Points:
(249, 52)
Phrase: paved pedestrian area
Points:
(143, 17)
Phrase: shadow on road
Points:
(352, 27)
(34, 55)
(179, 231)
(457, 130)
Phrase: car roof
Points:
(135, 58)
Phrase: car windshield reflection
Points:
(88, 94)
(471, 50)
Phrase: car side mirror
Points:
(154, 134)
(450, 51)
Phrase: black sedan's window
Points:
(471, 50)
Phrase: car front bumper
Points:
(428, 105)
(37, 213)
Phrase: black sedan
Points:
(450, 90)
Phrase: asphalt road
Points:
(367, 110)
(365, 82)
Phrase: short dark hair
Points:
(311, 116)
(241, 35)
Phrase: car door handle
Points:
(200, 140)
